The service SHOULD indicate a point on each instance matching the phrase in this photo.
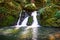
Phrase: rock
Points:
(30, 7)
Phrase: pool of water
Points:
(43, 33)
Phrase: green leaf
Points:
(41, 10)
(57, 15)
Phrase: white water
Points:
(19, 19)
(23, 24)
(33, 26)
(34, 33)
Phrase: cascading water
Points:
(34, 25)
(35, 22)
(23, 24)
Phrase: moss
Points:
(30, 20)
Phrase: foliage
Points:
(3, 10)
(50, 13)
(9, 11)
(57, 15)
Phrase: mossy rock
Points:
(30, 7)
(38, 19)
(30, 20)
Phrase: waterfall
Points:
(19, 18)
(24, 22)
(34, 25)
(35, 21)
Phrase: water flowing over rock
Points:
(33, 26)
(25, 19)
